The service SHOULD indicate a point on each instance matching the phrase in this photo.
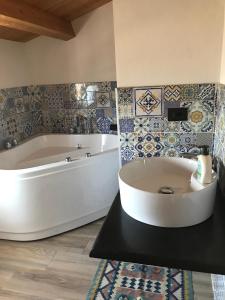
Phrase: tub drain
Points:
(166, 190)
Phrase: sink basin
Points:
(143, 181)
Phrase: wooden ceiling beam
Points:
(16, 14)
(86, 8)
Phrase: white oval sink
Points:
(141, 180)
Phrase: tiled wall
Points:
(144, 127)
(85, 107)
(219, 141)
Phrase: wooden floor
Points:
(55, 268)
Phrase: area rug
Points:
(130, 281)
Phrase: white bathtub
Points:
(42, 195)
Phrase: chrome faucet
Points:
(201, 148)
(14, 142)
(189, 155)
(8, 145)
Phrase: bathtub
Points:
(42, 194)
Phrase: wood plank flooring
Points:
(56, 268)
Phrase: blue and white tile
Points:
(125, 96)
(149, 145)
(128, 140)
(126, 125)
(9, 107)
(156, 124)
(188, 139)
(170, 152)
(103, 99)
(20, 108)
(171, 140)
(141, 125)
(171, 126)
(148, 101)
(190, 92)
(103, 125)
(207, 91)
(127, 154)
(200, 117)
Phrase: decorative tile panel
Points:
(144, 126)
(27, 111)
(148, 102)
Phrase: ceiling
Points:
(23, 20)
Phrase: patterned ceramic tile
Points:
(28, 129)
(100, 112)
(3, 99)
(103, 124)
(103, 99)
(149, 145)
(148, 102)
(189, 138)
(35, 97)
(207, 91)
(127, 154)
(204, 139)
(9, 107)
(171, 152)
(141, 125)
(128, 140)
(189, 92)
(11, 126)
(125, 96)
(37, 120)
(17, 92)
(156, 124)
(171, 126)
(105, 86)
(54, 96)
(20, 108)
(172, 93)
(200, 116)
(126, 125)
(55, 108)
(171, 140)
(126, 111)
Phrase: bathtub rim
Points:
(55, 165)
(36, 136)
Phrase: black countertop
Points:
(197, 248)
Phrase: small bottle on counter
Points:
(204, 171)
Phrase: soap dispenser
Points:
(204, 171)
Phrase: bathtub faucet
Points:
(68, 159)
(188, 155)
(8, 145)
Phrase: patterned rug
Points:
(130, 281)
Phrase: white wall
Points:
(90, 56)
(14, 70)
(167, 42)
